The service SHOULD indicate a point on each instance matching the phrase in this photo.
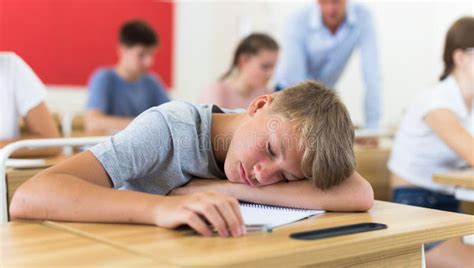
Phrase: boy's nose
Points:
(266, 173)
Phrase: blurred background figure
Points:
(251, 69)
(22, 97)
(436, 135)
(120, 93)
(318, 41)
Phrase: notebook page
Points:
(273, 216)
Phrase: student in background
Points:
(119, 94)
(436, 135)
(318, 42)
(252, 67)
(22, 96)
(285, 149)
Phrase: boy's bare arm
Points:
(354, 194)
(79, 189)
(96, 120)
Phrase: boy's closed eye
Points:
(272, 155)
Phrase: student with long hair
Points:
(248, 76)
(436, 135)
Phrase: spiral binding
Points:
(273, 207)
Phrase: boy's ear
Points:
(259, 104)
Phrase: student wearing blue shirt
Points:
(318, 42)
(120, 93)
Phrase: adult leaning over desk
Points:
(22, 96)
(318, 41)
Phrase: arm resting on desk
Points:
(354, 194)
(40, 125)
(96, 120)
(79, 189)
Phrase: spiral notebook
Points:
(270, 217)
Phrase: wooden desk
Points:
(30, 244)
(461, 178)
(464, 182)
(398, 246)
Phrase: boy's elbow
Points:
(359, 194)
(366, 197)
(366, 203)
(24, 204)
(18, 206)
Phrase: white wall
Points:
(411, 35)
(411, 38)
(66, 99)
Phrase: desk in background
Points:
(463, 180)
(397, 246)
(372, 165)
(460, 178)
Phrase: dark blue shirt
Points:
(113, 95)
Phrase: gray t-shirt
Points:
(162, 149)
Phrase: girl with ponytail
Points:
(251, 69)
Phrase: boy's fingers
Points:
(236, 208)
(195, 222)
(209, 211)
(230, 217)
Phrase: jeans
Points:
(425, 198)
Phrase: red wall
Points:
(64, 41)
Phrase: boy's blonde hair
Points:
(325, 130)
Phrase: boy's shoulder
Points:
(185, 112)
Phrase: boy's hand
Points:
(198, 209)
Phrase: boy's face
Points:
(137, 58)
(264, 149)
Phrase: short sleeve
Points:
(135, 152)
(430, 104)
(28, 88)
(99, 91)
